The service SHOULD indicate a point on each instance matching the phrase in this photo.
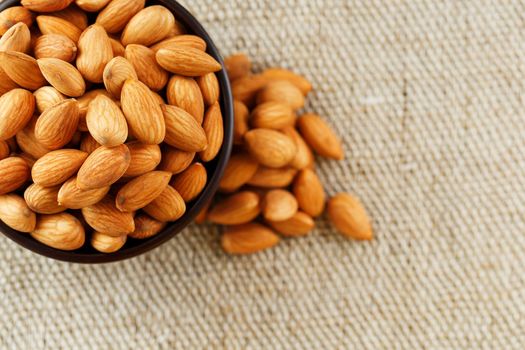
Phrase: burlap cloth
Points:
(428, 97)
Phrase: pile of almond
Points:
(108, 110)
(270, 186)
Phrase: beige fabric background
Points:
(429, 98)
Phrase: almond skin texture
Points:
(209, 85)
(236, 209)
(14, 172)
(106, 243)
(56, 167)
(57, 125)
(182, 131)
(17, 38)
(275, 74)
(88, 144)
(117, 13)
(143, 113)
(144, 158)
(92, 5)
(175, 161)
(240, 123)
(281, 91)
(146, 227)
(181, 40)
(106, 122)
(169, 206)
(94, 52)
(105, 217)
(13, 15)
(245, 89)
(320, 136)
(269, 147)
(4, 150)
(309, 192)
(190, 182)
(46, 5)
(28, 143)
(55, 46)
(74, 15)
(187, 61)
(16, 109)
(272, 115)
(304, 158)
(185, 93)
(22, 69)
(103, 167)
(118, 48)
(248, 239)
(238, 66)
(213, 127)
(202, 215)
(56, 25)
(142, 190)
(43, 200)
(272, 177)
(349, 217)
(72, 197)
(279, 205)
(145, 64)
(47, 97)
(298, 225)
(240, 169)
(61, 231)
(149, 26)
(6, 83)
(83, 104)
(15, 213)
(62, 76)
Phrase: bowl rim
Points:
(172, 229)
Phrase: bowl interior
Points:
(214, 168)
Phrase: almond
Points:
(145, 64)
(56, 167)
(142, 190)
(105, 217)
(187, 61)
(103, 167)
(190, 182)
(27, 141)
(270, 147)
(83, 104)
(4, 150)
(214, 129)
(72, 197)
(304, 158)
(106, 243)
(299, 81)
(14, 172)
(17, 38)
(209, 85)
(148, 26)
(178, 29)
(16, 109)
(202, 215)
(245, 89)
(61, 231)
(248, 239)
(240, 169)
(106, 122)
(309, 192)
(349, 217)
(117, 13)
(43, 200)
(181, 40)
(15, 213)
(92, 5)
(320, 136)
(57, 125)
(94, 52)
(279, 205)
(182, 131)
(298, 225)
(272, 115)
(22, 69)
(144, 158)
(146, 227)
(118, 48)
(28, 159)
(169, 206)
(272, 178)
(185, 93)
(143, 113)
(281, 91)
(175, 161)
(62, 76)
(46, 5)
(6, 83)
(240, 121)
(74, 15)
(55, 46)
(239, 208)
(238, 66)
(47, 97)
(57, 25)
(13, 15)
(89, 144)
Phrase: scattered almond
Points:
(309, 192)
(320, 136)
(276, 74)
(304, 158)
(240, 169)
(349, 217)
(272, 177)
(248, 239)
(240, 121)
(238, 66)
(298, 225)
(279, 205)
(272, 115)
(245, 89)
(281, 91)
(236, 209)
(269, 147)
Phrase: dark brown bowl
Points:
(88, 255)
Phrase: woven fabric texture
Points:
(428, 97)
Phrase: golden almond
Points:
(304, 158)
(22, 69)
(57, 25)
(349, 217)
(238, 66)
(240, 121)
(4, 150)
(118, 13)
(272, 177)
(74, 15)
(143, 113)
(169, 206)
(61, 231)
(142, 190)
(178, 29)
(57, 125)
(72, 197)
(185, 93)
(14, 172)
(92, 5)
(105, 217)
(103, 167)
(6, 83)
(187, 61)
(62, 76)
(106, 122)
(146, 227)
(270, 147)
(245, 89)
(55, 46)
(47, 97)
(281, 91)
(175, 161)
(106, 243)
(272, 115)
(240, 169)
(239, 208)
(275, 74)
(46, 5)
(13, 15)
(148, 26)
(83, 104)
(308, 190)
(17, 38)
(181, 40)
(148, 71)
(214, 129)
(27, 141)
(298, 225)
(118, 49)
(279, 205)
(43, 200)
(16, 109)
(190, 182)
(248, 239)
(15, 213)
(94, 52)
(209, 85)
(183, 131)
(56, 167)
(318, 135)
(144, 158)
